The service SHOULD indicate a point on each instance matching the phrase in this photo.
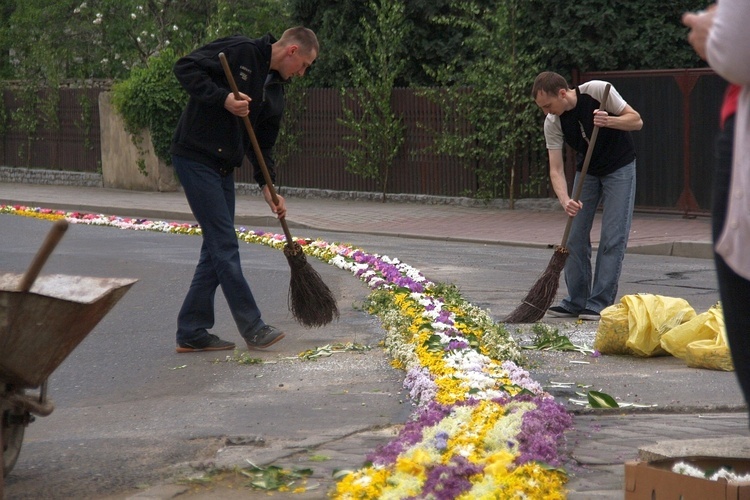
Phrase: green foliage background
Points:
(484, 54)
(492, 97)
(376, 132)
(609, 35)
(590, 35)
(152, 99)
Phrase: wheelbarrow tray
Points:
(40, 328)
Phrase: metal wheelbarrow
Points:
(42, 320)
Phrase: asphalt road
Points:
(128, 407)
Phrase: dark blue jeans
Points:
(211, 198)
(734, 290)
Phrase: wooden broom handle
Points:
(256, 146)
(53, 238)
(585, 168)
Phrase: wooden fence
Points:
(680, 110)
(675, 160)
(68, 140)
(320, 162)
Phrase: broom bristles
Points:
(540, 297)
(311, 302)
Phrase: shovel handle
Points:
(256, 146)
(585, 168)
(53, 238)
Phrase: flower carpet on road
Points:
(481, 429)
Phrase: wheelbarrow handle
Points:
(53, 238)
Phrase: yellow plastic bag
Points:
(650, 317)
(714, 353)
(613, 331)
(710, 354)
(705, 326)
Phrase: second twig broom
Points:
(541, 295)
(310, 300)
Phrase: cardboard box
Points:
(655, 480)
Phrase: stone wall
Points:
(120, 156)
(49, 177)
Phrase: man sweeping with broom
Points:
(208, 144)
(572, 115)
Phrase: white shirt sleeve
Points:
(553, 133)
(728, 46)
(595, 88)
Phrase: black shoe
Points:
(209, 343)
(589, 315)
(560, 312)
(265, 337)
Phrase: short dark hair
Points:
(548, 82)
(304, 37)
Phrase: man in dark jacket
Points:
(209, 143)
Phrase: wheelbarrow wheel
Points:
(12, 436)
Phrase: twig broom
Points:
(541, 295)
(310, 300)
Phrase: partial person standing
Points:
(210, 141)
(719, 34)
(610, 180)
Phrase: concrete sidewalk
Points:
(658, 234)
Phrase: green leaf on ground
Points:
(331, 349)
(273, 477)
(601, 400)
(548, 339)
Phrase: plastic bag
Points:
(705, 326)
(654, 325)
(650, 317)
(710, 354)
(613, 331)
(636, 324)
(705, 340)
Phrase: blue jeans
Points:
(211, 198)
(617, 192)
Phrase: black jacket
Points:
(210, 134)
(613, 149)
